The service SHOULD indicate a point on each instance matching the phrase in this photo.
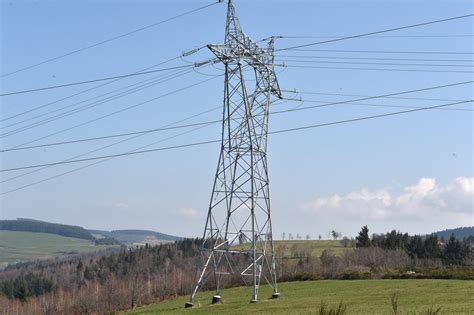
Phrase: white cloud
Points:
(189, 213)
(425, 199)
(122, 205)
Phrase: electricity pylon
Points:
(237, 239)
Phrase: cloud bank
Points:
(426, 200)
(189, 213)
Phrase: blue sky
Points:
(411, 172)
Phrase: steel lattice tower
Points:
(237, 237)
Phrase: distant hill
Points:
(459, 233)
(135, 236)
(24, 239)
(20, 246)
(130, 237)
(29, 225)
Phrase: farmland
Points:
(360, 296)
(313, 248)
(26, 246)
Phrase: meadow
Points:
(26, 246)
(313, 248)
(360, 297)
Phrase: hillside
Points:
(25, 239)
(28, 225)
(459, 233)
(135, 236)
(129, 236)
(304, 248)
(360, 297)
(19, 246)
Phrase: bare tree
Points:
(335, 235)
(346, 242)
(283, 235)
(308, 237)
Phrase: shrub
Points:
(394, 303)
(324, 309)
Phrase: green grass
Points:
(26, 246)
(314, 247)
(360, 296)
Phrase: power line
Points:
(386, 36)
(134, 136)
(364, 98)
(383, 105)
(377, 32)
(151, 82)
(376, 69)
(375, 58)
(367, 117)
(113, 113)
(112, 136)
(147, 83)
(215, 141)
(83, 91)
(108, 40)
(130, 87)
(71, 171)
(389, 51)
(380, 96)
(207, 123)
(376, 63)
(104, 160)
(138, 86)
(89, 106)
(93, 81)
(125, 134)
(358, 95)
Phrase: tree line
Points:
(101, 282)
(46, 227)
(451, 252)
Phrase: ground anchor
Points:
(216, 299)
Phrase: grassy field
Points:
(360, 296)
(314, 247)
(25, 246)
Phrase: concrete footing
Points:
(216, 299)
(253, 301)
(275, 295)
(188, 305)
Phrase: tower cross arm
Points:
(242, 49)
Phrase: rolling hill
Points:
(20, 246)
(460, 233)
(23, 240)
(137, 237)
(29, 225)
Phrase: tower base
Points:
(188, 305)
(275, 295)
(216, 299)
